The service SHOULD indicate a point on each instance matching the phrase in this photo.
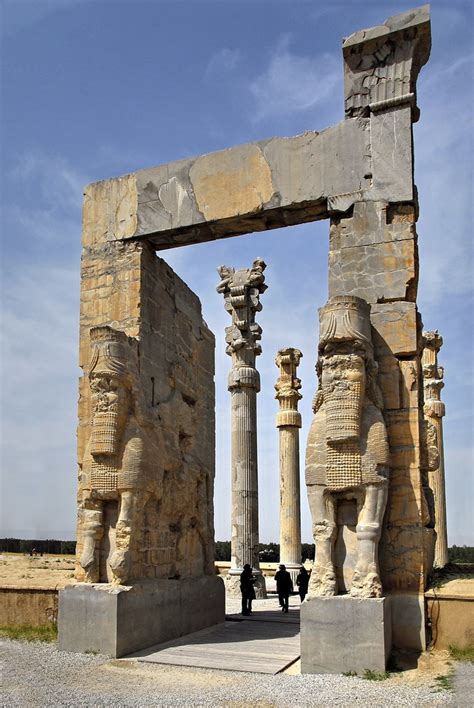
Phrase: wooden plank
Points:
(257, 645)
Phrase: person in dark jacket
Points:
(284, 586)
(247, 589)
(302, 580)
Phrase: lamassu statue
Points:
(111, 469)
(347, 454)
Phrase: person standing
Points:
(284, 585)
(302, 580)
(247, 589)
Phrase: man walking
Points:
(247, 589)
(284, 585)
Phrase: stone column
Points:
(434, 411)
(242, 289)
(288, 421)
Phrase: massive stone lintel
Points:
(284, 181)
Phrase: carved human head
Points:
(110, 380)
(345, 362)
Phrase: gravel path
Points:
(36, 674)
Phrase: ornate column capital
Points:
(241, 290)
(432, 340)
(287, 387)
(432, 374)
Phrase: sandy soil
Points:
(57, 571)
(36, 571)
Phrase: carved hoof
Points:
(366, 586)
(118, 563)
(323, 584)
(87, 559)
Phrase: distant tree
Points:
(307, 551)
(22, 545)
(269, 552)
(222, 551)
(461, 554)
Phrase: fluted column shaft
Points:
(290, 512)
(288, 422)
(434, 410)
(244, 542)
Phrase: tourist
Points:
(284, 586)
(302, 581)
(247, 589)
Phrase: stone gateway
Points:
(145, 533)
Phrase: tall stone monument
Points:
(146, 409)
(288, 421)
(434, 410)
(366, 445)
(145, 535)
(241, 290)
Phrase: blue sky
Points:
(95, 89)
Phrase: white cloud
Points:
(39, 394)
(39, 321)
(58, 187)
(223, 61)
(443, 172)
(20, 14)
(292, 82)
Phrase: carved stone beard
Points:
(110, 403)
(343, 387)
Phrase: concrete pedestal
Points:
(342, 633)
(118, 620)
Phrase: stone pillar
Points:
(145, 533)
(434, 411)
(288, 421)
(242, 289)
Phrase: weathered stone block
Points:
(404, 430)
(381, 64)
(395, 325)
(340, 634)
(109, 208)
(392, 166)
(404, 504)
(389, 381)
(402, 558)
(373, 222)
(408, 620)
(377, 272)
(119, 620)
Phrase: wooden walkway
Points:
(267, 642)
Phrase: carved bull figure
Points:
(112, 462)
(347, 453)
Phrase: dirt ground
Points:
(27, 571)
(57, 571)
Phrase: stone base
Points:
(342, 633)
(232, 585)
(408, 621)
(118, 620)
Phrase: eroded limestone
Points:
(347, 455)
